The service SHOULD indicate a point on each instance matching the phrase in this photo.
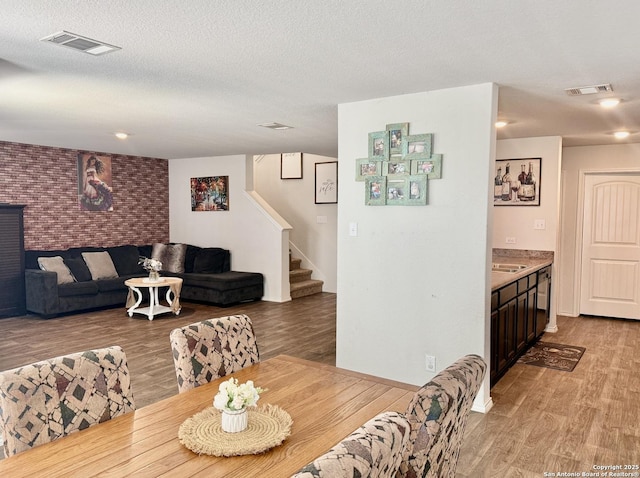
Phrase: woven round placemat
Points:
(268, 426)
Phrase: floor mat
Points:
(555, 356)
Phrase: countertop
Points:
(499, 279)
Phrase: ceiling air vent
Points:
(80, 43)
(278, 126)
(589, 90)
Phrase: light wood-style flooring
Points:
(304, 328)
(542, 420)
(545, 420)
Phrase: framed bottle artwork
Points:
(517, 182)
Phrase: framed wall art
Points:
(368, 167)
(326, 183)
(94, 183)
(417, 191)
(379, 145)
(517, 182)
(397, 131)
(397, 191)
(417, 146)
(395, 167)
(291, 166)
(430, 167)
(375, 190)
(210, 193)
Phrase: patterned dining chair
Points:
(373, 450)
(47, 400)
(438, 414)
(213, 348)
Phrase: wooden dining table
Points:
(326, 404)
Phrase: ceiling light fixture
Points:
(621, 134)
(501, 123)
(121, 135)
(278, 126)
(609, 102)
(80, 43)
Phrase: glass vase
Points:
(154, 276)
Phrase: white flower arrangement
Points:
(232, 397)
(150, 264)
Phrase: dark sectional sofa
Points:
(206, 273)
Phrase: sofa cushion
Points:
(31, 257)
(225, 281)
(78, 268)
(77, 288)
(56, 264)
(100, 265)
(107, 285)
(125, 259)
(210, 260)
(190, 257)
(171, 255)
(145, 251)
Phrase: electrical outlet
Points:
(431, 363)
(539, 224)
(510, 240)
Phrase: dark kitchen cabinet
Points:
(516, 319)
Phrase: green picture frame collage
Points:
(398, 167)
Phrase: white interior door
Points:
(610, 281)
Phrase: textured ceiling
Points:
(194, 78)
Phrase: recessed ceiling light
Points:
(609, 102)
(277, 126)
(501, 123)
(121, 135)
(621, 134)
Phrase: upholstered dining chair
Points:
(373, 450)
(47, 400)
(438, 414)
(213, 348)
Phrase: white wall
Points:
(574, 161)
(257, 240)
(415, 280)
(517, 221)
(313, 241)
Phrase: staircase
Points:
(300, 282)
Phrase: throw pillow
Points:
(171, 255)
(78, 268)
(56, 264)
(210, 260)
(125, 259)
(100, 265)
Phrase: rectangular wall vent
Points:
(80, 43)
(589, 90)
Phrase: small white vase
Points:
(234, 421)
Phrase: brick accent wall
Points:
(45, 179)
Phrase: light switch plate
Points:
(539, 224)
(353, 228)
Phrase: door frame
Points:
(577, 259)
